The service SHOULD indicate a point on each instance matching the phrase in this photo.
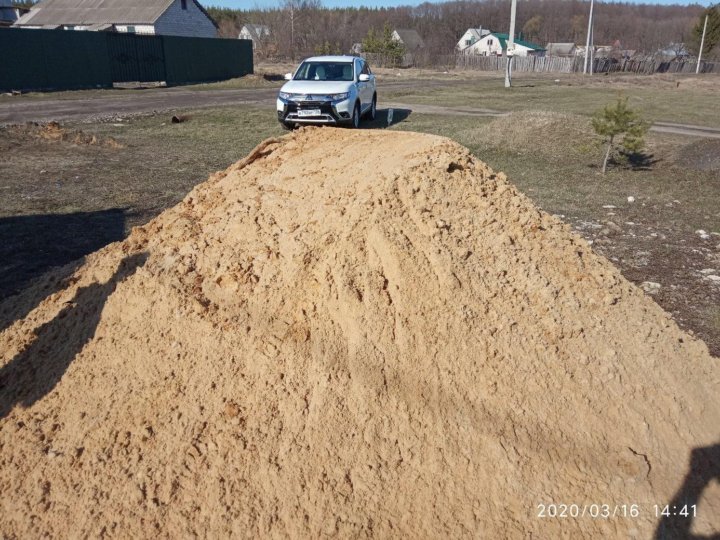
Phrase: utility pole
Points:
(588, 56)
(702, 45)
(510, 51)
(591, 67)
(292, 28)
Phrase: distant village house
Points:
(413, 44)
(161, 17)
(560, 49)
(495, 44)
(470, 37)
(257, 33)
(673, 51)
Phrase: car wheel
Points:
(373, 109)
(287, 125)
(356, 116)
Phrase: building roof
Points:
(475, 35)
(560, 49)
(410, 38)
(87, 12)
(503, 38)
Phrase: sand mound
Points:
(349, 334)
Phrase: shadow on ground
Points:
(34, 372)
(704, 468)
(31, 245)
(385, 118)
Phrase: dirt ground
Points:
(316, 345)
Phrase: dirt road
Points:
(90, 107)
(154, 100)
(135, 101)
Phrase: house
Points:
(495, 44)
(257, 33)
(560, 49)
(673, 51)
(161, 17)
(471, 36)
(605, 51)
(10, 13)
(412, 42)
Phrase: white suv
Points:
(328, 90)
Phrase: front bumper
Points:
(330, 112)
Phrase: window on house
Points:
(183, 4)
(490, 41)
(468, 42)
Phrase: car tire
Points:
(372, 112)
(288, 126)
(355, 121)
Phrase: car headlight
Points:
(286, 95)
(339, 97)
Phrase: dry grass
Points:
(533, 132)
(656, 98)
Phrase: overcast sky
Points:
(245, 4)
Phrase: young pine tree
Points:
(712, 34)
(620, 127)
(383, 44)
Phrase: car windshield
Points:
(325, 71)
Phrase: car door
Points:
(361, 86)
(369, 87)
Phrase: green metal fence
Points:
(53, 59)
(203, 59)
(67, 60)
(136, 58)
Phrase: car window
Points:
(324, 71)
(365, 69)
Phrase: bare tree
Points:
(300, 26)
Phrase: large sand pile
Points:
(349, 334)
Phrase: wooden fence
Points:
(557, 64)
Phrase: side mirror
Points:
(364, 77)
(288, 76)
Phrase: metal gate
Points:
(136, 58)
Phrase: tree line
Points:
(301, 27)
